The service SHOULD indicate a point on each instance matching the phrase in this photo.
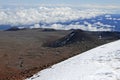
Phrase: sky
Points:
(53, 2)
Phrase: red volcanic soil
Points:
(22, 53)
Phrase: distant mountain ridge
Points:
(79, 36)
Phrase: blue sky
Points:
(73, 2)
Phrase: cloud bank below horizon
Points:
(52, 16)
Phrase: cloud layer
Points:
(52, 16)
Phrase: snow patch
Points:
(101, 63)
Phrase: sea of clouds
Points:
(51, 17)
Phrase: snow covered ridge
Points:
(26, 16)
(101, 63)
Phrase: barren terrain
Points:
(22, 52)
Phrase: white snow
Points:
(101, 63)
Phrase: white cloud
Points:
(99, 24)
(108, 16)
(22, 16)
(52, 15)
(35, 26)
(90, 27)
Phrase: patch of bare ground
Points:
(22, 53)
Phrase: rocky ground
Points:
(25, 52)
